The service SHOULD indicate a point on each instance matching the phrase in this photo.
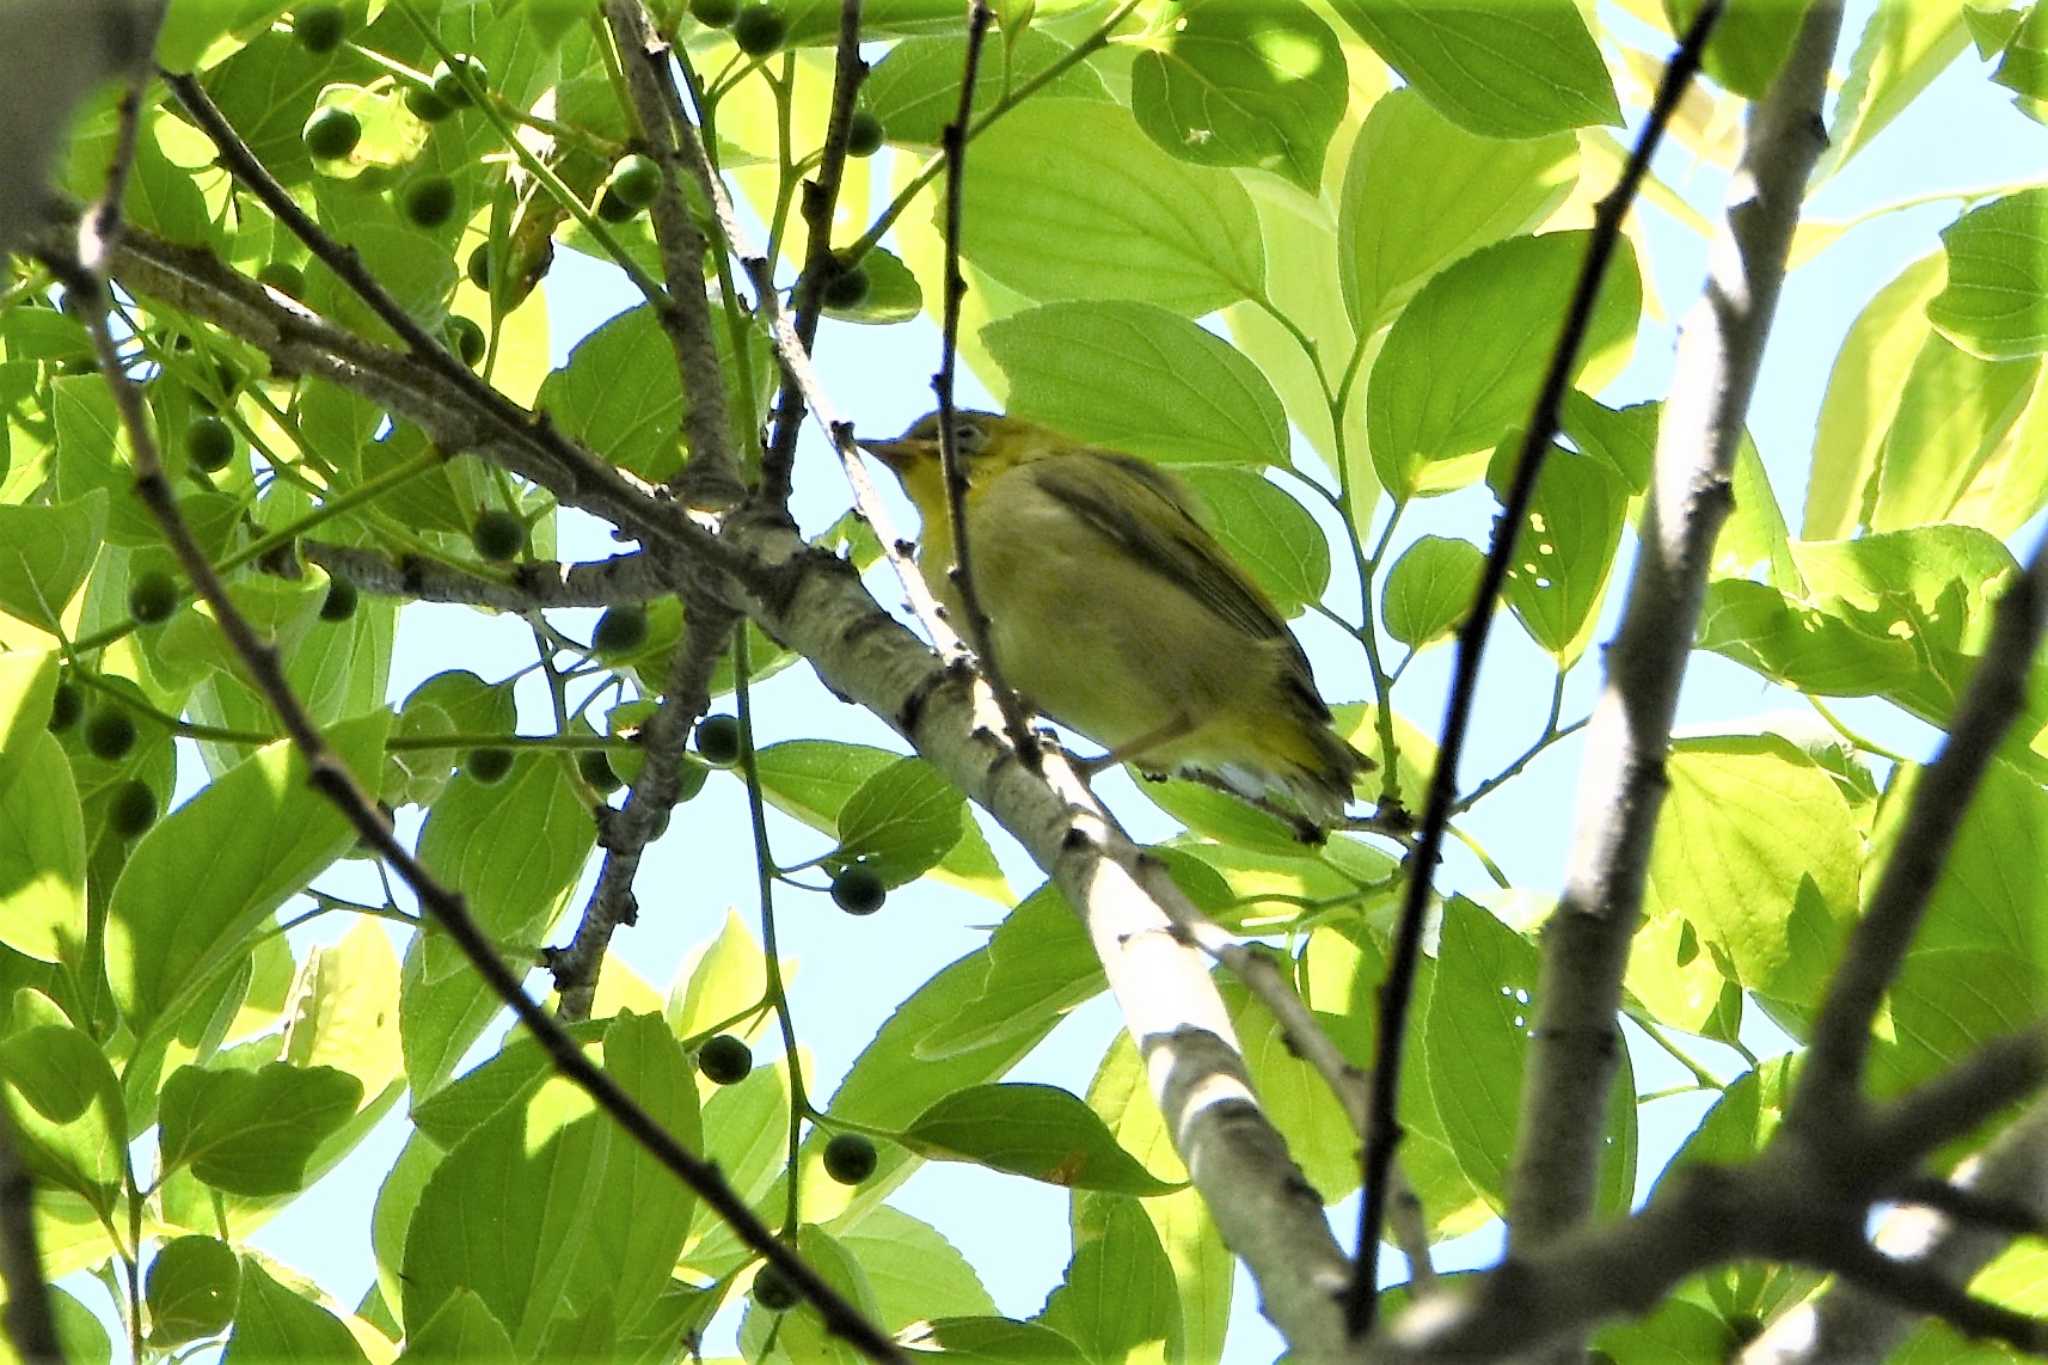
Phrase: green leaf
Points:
(724, 977)
(915, 89)
(1039, 958)
(272, 1323)
(1864, 391)
(252, 1132)
(1037, 1131)
(1267, 531)
(915, 1273)
(620, 395)
(994, 1341)
(1430, 588)
(1957, 414)
(1759, 852)
(1905, 45)
(892, 295)
(251, 839)
(46, 553)
(1897, 615)
(550, 1203)
(1625, 438)
(69, 1118)
(1319, 1134)
(1244, 85)
(1502, 68)
(1476, 1043)
(900, 822)
(1750, 41)
(462, 1329)
(1997, 255)
(191, 1289)
(165, 198)
(1117, 1301)
(42, 846)
(1565, 545)
(1420, 192)
(1137, 378)
(2024, 66)
(1463, 362)
(1067, 199)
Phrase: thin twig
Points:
(979, 631)
(626, 832)
(820, 203)
(711, 475)
(618, 581)
(1385, 1132)
(31, 1329)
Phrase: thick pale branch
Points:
(1575, 1043)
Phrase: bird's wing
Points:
(1149, 515)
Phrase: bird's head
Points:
(988, 443)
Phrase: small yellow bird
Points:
(1116, 613)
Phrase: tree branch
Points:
(31, 1329)
(610, 582)
(1586, 941)
(711, 475)
(1383, 1133)
(626, 832)
(820, 202)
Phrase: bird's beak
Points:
(895, 454)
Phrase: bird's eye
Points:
(968, 437)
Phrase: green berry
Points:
(635, 179)
(858, 891)
(132, 810)
(725, 1060)
(152, 597)
(620, 630)
(319, 28)
(209, 444)
(714, 13)
(863, 134)
(759, 29)
(596, 767)
(849, 1158)
(498, 536)
(429, 201)
(427, 106)
(613, 209)
(65, 707)
(332, 133)
(846, 287)
(109, 733)
(488, 766)
(774, 1292)
(340, 603)
(718, 740)
(448, 85)
(479, 267)
(286, 278)
(467, 340)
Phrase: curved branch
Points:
(1384, 1133)
(597, 583)
(1575, 1043)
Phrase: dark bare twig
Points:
(980, 634)
(1968, 1206)
(625, 833)
(820, 202)
(1384, 1134)
(711, 475)
(610, 582)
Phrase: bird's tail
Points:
(1307, 765)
